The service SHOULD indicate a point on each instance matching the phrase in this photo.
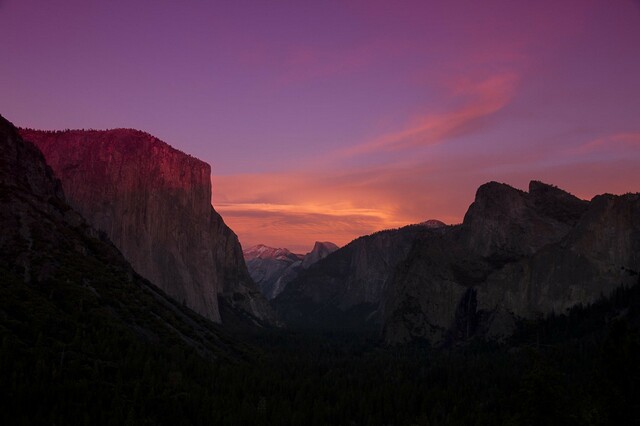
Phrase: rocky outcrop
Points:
(517, 255)
(347, 288)
(504, 224)
(64, 284)
(319, 252)
(273, 268)
(599, 254)
(154, 203)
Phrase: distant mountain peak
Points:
(273, 268)
(261, 251)
(433, 224)
(321, 249)
(324, 245)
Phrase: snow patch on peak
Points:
(262, 251)
(433, 224)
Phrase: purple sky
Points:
(325, 120)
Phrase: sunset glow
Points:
(330, 120)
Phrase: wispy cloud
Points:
(615, 142)
(296, 229)
(479, 99)
(294, 209)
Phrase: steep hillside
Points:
(347, 288)
(154, 203)
(81, 333)
(517, 255)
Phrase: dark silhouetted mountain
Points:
(517, 255)
(319, 252)
(75, 318)
(154, 203)
(432, 223)
(85, 340)
(272, 269)
(347, 288)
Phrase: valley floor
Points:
(576, 369)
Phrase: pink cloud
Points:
(294, 209)
(480, 99)
(618, 141)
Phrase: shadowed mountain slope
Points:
(517, 255)
(154, 203)
(80, 330)
(346, 289)
(273, 268)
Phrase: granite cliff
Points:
(517, 255)
(321, 249)
(154, 203)
(347, 288)
(65, 283)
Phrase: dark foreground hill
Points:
(154, 204)
(579, 368)
(83, 336)
(347, 289)
(85, 340)
(517, 255)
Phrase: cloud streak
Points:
(480, 100)
(294, 209)
(615, 142)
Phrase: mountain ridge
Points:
(517, 255)
(153, 201)
(273, 268)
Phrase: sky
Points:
(327, 120)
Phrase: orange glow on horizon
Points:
(293, 210)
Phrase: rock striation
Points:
(154, 203)
(517, 255)
(64, 283)
(273, 268)
(347, 288)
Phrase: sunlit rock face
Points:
(516, 255)
(60, 277)
(153, 202)
(273, 268)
